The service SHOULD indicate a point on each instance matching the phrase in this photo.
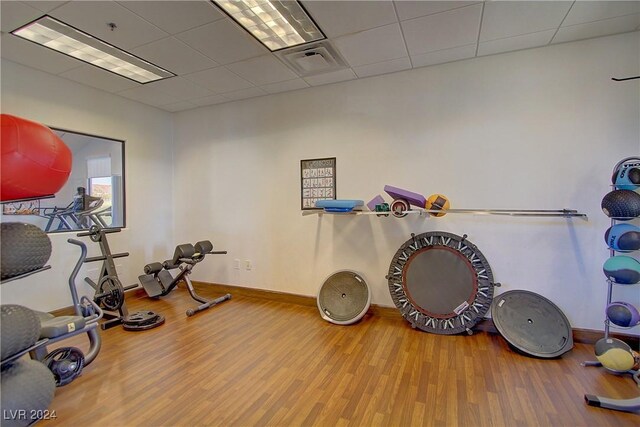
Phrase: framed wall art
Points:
(317, 181)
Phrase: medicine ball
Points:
(24, 248)
(19, 327)
(614, 354)
(623, 237)
(626, 177)
(437, 202)
(35, 162)
(621, 204)
(622, 269)
(623, 314)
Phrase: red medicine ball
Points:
(35, 162)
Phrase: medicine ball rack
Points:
(599, 401)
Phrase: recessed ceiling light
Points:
(276, 24)
(57, 35)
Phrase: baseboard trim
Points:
(584, 336)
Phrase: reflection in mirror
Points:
(93, 194)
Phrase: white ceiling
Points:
(216, 61)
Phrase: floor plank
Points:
(252, 362)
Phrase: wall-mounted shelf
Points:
(559, 213)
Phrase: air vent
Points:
(310, 59)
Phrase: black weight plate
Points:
(532, 324)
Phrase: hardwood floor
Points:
(252, 362)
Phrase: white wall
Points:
(148, 158)
(535, 129)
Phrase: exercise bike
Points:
(158, 281)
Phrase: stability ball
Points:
(623, 314)
(35, 162)
(623, 237)
(614, 354)
(621, 204)
(622, 269)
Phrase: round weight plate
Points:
(344, 298)
(441, 283)
(94, 235)
(111, 293)
(65, 363)
(532, 324)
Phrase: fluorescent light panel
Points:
(276, 24)
(57, 35)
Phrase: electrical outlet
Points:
(247, 265)
(236, 264)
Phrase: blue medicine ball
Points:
(627, 177)
(623, 314)
(622, 269)
(623, 237)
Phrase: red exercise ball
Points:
(35, 162)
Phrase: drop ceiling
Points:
(216, 61)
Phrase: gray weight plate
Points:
(532, 324)
(344, 298)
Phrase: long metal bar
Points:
(559, 213)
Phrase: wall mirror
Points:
(93, 194)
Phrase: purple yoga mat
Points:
(414, 199)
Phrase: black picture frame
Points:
(317, 181)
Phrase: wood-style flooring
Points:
(253, 362)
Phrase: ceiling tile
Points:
(458, 27)
(223, 41)
(208, 100)
(443, 56)
(14, 14)
(605, 27)
(262, 70)
(219, 80)
(370, 46)
(589, 11)
(285, 86)
(93, 16)
(175, 16)
(45, 5)
(408, 9)
(337, 18)
(174, 55)
(525, 41)
(251, 92)
(180, 88)
(383, 67)
(332, 77)
(148, 95)
(32, 55)
(512, 18)
(178, 106)
(99, 78)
